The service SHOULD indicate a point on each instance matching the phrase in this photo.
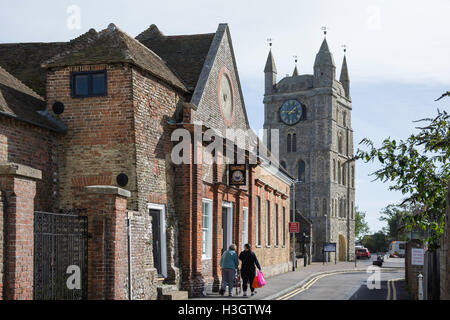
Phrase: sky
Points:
(397, 53)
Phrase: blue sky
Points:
(398, 52)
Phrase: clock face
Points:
(226, 96)
(238, 176)
(291, 112)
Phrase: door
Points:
(244, 226)
(156, 232)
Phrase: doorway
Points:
(158, 214)
(227, 225)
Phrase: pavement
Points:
(281, 284)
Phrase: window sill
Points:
(206, 258)
(258, 246)
(268, 246)
(275, 246)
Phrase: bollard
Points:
(420, 276)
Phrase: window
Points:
(206, 228)
(283, 164)
(258, 214)
(89, 84)
(289, 143)
(301, 171)
(340, 147)
(339, 172)
(267, 222)
(277, 233)
(343, 174)
(244, 226)
(316, 207)
(294, 142)
(353, 176)
(324, 206)
(334, 170)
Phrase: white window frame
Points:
(162, 211)
(244, 226)
(208, 254)
(229, 206)
(257, 215)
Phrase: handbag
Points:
(261, 280)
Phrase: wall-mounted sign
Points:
(417, 256)
(237, 174)
(329, 247)
(294, 227)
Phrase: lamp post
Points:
(326, 235)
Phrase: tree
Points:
(377, 242)
(419, 167)
(361, 225)
(394, 216)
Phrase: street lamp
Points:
(326, 235)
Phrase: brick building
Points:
(101, 146)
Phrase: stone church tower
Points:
(313, 116)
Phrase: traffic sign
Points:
(294, 227)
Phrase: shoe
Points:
(230, 294)
(221, 292)
(245, 294)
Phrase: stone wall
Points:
(412, 271)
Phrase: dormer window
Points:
(89, 84)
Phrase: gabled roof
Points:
(20, 102)
(185, 54)
(112, 45)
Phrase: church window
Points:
(294, 143)
(353, 176)
(324, 206)
(289, 143)
(343, 174)
(334, 170)
(340, 147)
(88, 84)
(283, 164)
(344, 119)
(301, 171)
(339, 172)
(316, 207)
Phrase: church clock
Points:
(291, 112)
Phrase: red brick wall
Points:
(99, 143)
(18, 226)
(32, 146)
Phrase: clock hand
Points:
(292, 110)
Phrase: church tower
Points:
(312, 114)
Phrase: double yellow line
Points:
(390, 283)
(307, 285)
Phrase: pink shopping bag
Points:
(261, 280)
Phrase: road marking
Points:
(390, 283)
(312, 281)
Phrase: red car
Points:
(362, 252)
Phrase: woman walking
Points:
(248, 270)
(228, 262)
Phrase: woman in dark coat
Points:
(248, 270)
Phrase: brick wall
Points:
(32, 146)
(273, 259)
(99, 143)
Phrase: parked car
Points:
(362, 253)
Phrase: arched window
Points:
(340, 149)
(344, 119)
(339, 172)
(343, 174)
(294, 143)
(334, 170)
(301, 171)
(283, 164)
(353, 176)
(289, 142)
(324, 207)
(316, 207)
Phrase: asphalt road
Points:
(387, 284)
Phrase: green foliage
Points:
(361, 225)
(377, 242)
(419, 167)
(395, 217)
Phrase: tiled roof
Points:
(185, 54)
(112, 45)
(20, 102)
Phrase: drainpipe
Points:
(130, 290)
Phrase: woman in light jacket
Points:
(228, 263)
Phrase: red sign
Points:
(294, 227)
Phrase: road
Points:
(387, 284)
